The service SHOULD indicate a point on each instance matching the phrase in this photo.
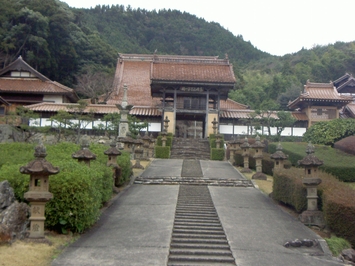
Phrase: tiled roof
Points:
(35, 86)
(145, 111)
(238, 114)
(230, 104)
(299, 116)
(347, 86)
(55, 107)
(136, 74)
(341, 80)
(315, 92)
(20, 65)
(350, 109)
(193, 72)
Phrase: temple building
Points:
(320, 102)
(191, 91)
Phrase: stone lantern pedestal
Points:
(312, 216)
(146, 144)
(38, 194)
(138, 153)
(245, 153)
(258, 156)
(112, 154)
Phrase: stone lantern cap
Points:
(146, 137)
(113, 150)
(257, 143)
(310, 159)
(39, 165)
(279, 155)
(84, 153)
(245, 144)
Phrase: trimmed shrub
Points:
(162, 152)
(288, 188)
(212, 141)
(77, 198)
(217, 154)
(124, 161)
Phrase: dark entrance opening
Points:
(190, 126)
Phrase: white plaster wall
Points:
(53, 98)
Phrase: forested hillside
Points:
(63, 43)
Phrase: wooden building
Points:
(320, 102)
(21, 85)
(190, 90)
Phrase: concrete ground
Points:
(136, 229)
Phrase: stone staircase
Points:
(198, 237)
(188, 148)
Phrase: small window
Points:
(2, 110)
(319, 111)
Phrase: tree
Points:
(285, 119)
(112, 122)
(135, 125)
(61, 121)
(81, 117)
(97, 86)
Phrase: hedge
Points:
(336, 163)
(217, 154)
(336, 199)
(162, 152)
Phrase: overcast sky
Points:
(274, 26)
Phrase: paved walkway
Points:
(137, 228)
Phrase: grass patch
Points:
(265, 186)
(337, 244)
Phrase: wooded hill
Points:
(63, 43)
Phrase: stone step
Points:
(200, 259)
(199, 241)
(184, 148)
(200, 245)
(200, 251)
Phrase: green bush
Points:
(16, 152)
(217, 154)
(337, 245)
(329, 132)
(288, 188)
(162, 152)
(77, 198)
(18, 181)
(124, 161)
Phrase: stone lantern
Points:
(215, 125)
(112, 154)
(146, 144)
(165, 132)
(258, 156)
(279, 157)
(151, 145)
(138, 152)
(234, 146)
(311, 180)
(245, 153)
(39, 170)
(84, 154)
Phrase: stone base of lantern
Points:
(259, 176)
(138, 165)
(37, 220)
(246, 170)
(313, 218)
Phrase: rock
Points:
(14, 220)
(348, 254)
(7, 196)
(5, 236)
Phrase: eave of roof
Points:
(70, 107)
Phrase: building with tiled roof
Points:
(320, 102)
(182, 88)
(21, 85)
